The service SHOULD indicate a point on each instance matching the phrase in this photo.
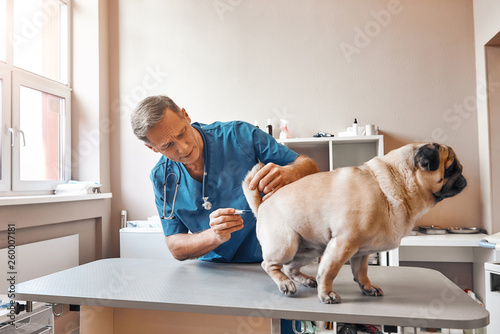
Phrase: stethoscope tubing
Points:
(177, 182)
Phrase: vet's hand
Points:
(223, 222)
(270, 178)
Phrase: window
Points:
(3, 33)
(35, 97)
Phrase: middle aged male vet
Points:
(197, 181)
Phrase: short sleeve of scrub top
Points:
(233, 148)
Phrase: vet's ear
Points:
(151, 148)
(427, 157)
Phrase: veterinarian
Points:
(197, 180)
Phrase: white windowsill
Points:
(41, 199)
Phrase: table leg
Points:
(275, 326)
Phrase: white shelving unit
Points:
(332, 152)
(438, 248)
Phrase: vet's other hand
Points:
(224, 222)
(270, 178)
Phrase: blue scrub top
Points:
(233, 149)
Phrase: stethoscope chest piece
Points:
(206, 204)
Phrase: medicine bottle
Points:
(269, 127)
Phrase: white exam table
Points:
(413, 297)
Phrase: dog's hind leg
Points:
(359, 267)
(337, 252)
(284, 283)
(276, 252)
(292, 270)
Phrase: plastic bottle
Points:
(269, 127)
(284, 130)
(124, 218)
(256, 124)
(355, 127)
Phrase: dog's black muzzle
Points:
(454, 186)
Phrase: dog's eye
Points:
(440, 181)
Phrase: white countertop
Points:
(445, 240)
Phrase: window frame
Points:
(25, 79)
(13, 78)
(5, 117)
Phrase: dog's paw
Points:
(374, 291)
(288, 287)
(330, 298)
(311, 283)
(306, 281)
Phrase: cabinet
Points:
(493, 295)
(331, 152)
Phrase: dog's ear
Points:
(427, 157)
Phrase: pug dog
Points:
(348, 213)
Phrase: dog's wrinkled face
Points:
(439, 170)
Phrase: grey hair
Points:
(150, 112)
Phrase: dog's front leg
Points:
(337, 253)
(359, 267)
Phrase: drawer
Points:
(40, 321)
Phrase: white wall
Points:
(410, 70)
(486, 26)
(90, 111)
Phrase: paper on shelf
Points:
(77, 188)
(152, 222)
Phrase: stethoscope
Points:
(207, 205)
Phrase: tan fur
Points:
(349, 213)
(254, 198)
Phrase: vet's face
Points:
(439, 169)
(175, 138)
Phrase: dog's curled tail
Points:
(254, 198)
